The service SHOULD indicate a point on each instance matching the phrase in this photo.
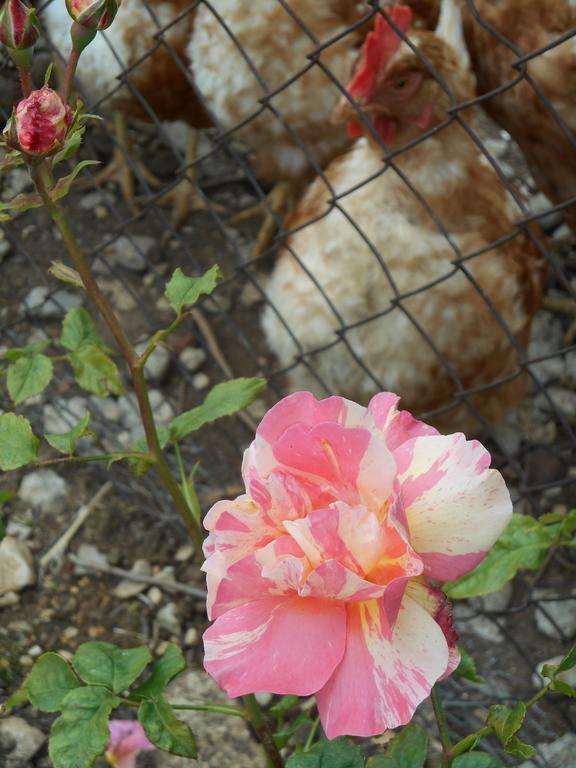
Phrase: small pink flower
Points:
(41, 121)
(19, 27)
(318, 575)
(127, 740)
(93, 14)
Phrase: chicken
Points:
(366, 294)
(241, 56)
(529, 25)
(155, 73)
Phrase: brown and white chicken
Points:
(146, 45)
(548, 141)
(366, 294)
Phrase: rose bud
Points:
(93, 14)
(40, 122)
(19, 27)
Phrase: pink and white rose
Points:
(318, 577)
(40, 122)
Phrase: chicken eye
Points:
(400, 83)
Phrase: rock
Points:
(126, 588)
(562, 235)
(43, 490)
(200, 381)
(118, 295)
(90, 200)
(9, 599)
(497, 601)
(568, 677)
(222, 741)
(19, 742)
(562, 399)
(539, 204)
(130, 416)
(155, 595)
(556, 754)
(168, 619)
(34, 651)
(563, 615)
(61, 415)
(192, 358)
(43, 303)
(483, 628)
(131, 253)
(552, 369)
(90, 555)
(16, 566)
(107, 407)
(184, 553)
(192, 637)
(163, 411)
(19, 530)
(157, 364)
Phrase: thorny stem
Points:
(41, 177)
(263, 732)
(71, 65)
(443, 731)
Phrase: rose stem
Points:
(442, 724)
(262, 730)
(40, 176)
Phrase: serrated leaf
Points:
(467, 667)
(523, 545)
(506, 721)
(561, 687)
(81, 732)
(95, 371)
(65, 442)
(476, 760)
(182, 291)
(224, 399)
(106, 664)
(568, 661)
(407, 750)
(164, 729)
(28, 376)
(50, 680)
(339, 753)
(18, 445)
(79, 330)
(166, 668)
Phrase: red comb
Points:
(379, 46)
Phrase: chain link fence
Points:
(135, 245)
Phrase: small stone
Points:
(131, 253)
(539, 204)
(43, 303)
(65, 653)
(497, 601)
(19, 742)
(157, 364)
(162, 647)
(118, 295)
(192, 637)
(34, 651)
(263, 698)
(155, 595)
(90, 555)
(16, 566)
(26, 661)
(101, 212)
(562, 399)
(192, 358)
(563, 615)
(90, 200)
(163, 305)
(555, 754)
(168, 619)
(107, 407)
(163, 411)
(483, 628)
(70, 633)
(43, 490)
(9, 599)
(61, 415)
(19, 530)
(201, 381)
(562, 235)
(184, 553)
(126, 588)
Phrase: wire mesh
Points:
(534, 448)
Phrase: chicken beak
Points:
(343, 112)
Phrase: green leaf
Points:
(50, 680)
(15, 353)
(95, 371)
(407, 750)
(561, 687)
(523, 545)
(339, 753)
(182, 291)
(568, 661)
(106, 664)
(18, 697)
(283, 706)
(81, 732)
(476, 760)
(28, 377)
(283, 736)
(164, 729)
(506, 721)
(18, 445)
(6, 495)
(467, 667)
(79, 330)
(223, 400)
(65, 442)
(166, 668)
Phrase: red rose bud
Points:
(19, 27)
(93, 14)
(41, 122)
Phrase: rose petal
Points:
(382, 678)
(437, 605)
(236, 528)
(398, 426)
(456, 507)
(280, 645)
